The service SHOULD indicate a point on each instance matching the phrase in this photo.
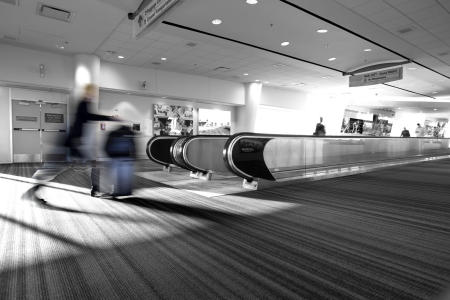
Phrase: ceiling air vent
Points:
(54, 12)
(405, 30)
(223, 69)
(12, 2)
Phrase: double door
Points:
(39, 131)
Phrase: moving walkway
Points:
(283, 158)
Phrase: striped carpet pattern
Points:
(378, 235)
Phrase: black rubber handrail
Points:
(161, 156)
(178, 158)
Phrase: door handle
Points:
(54, 130)
(26, 129)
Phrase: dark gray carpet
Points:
(379, 235)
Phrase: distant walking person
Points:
(320, 129)
(420, 131)
(405, 132)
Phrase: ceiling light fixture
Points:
(322, 31)
(332, 58)
(284, 44)
(120, 57)
(435, 109)
(216, 21)
(163, 58)
(367, 50)
(60, 46)
(245, 74)
(434, 92)
(257, 80)
(252, 2)
(325, 77)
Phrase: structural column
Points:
(245, 116)
(87, 70)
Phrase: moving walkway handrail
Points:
(162, 156)
(248, 161)
(176, 152)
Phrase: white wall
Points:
(285, 111)
(5, 125)
(285, 98)
(177, 85)
(408, 120)
(35, 95)
(20, 65)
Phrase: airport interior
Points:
(225, 149)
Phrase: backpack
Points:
(120, 143)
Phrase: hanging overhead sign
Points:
(154, 10)
(376, 77)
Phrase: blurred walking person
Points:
(78, 143)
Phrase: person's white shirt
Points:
(420, 131)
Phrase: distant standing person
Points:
(320, 128)
(420, 131)
(405, 132)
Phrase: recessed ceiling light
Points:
(435, 109)
(60, 46)
(245, 74)
(434, 92)
(120, 57)
(216, 21)
(163, 58)
(164, 97)
(257, 80)
(252, 1)
(412, 68)
(399, 108)
(367, 50)
(322, 31)
(284, 44)
(332, 58)
(325, 77)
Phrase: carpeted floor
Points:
(379, 235)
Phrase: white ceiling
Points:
(100, 26)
